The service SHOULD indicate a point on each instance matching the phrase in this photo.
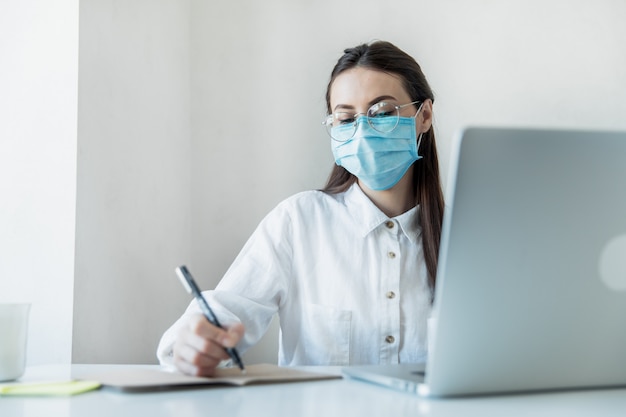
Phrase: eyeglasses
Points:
(382, 117)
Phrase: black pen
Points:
(190, 285)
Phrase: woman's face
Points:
(357, 89)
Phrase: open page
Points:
(138, 379)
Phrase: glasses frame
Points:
(328, 121)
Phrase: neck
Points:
(397, 200)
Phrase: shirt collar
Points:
(368, 217)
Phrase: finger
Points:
(195, 361)
(190, 361)
(224, 337)
(207, 338)
(200, 326)
(206, 347)
(185, 367)
(233, 335)
(191, 355)
(190, 344)
(196, 370)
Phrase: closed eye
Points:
(342, 118)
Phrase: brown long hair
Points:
(386, 57)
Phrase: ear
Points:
(424, 119)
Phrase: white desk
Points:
(341, 398)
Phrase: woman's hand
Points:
(199, 347)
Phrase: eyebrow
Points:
(371, 103)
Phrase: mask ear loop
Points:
(419, 109)
(419, 141)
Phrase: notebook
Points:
(140, 379)
(531, 285)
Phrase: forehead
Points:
(359, 86)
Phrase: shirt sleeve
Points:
(254, 287)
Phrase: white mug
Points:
(13, 332)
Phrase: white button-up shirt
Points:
(349, 283)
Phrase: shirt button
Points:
(390, 339)
(391, 255)
(389, 224)
(391, 295)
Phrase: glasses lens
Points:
(341, 126)
(383, 116)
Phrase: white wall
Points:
(133, 202)
(38, 102)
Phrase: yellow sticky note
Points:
(49, 388)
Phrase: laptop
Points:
(531, 285)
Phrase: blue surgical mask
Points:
(378, 159)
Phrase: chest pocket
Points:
(328, 335)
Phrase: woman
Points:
(350, 269)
